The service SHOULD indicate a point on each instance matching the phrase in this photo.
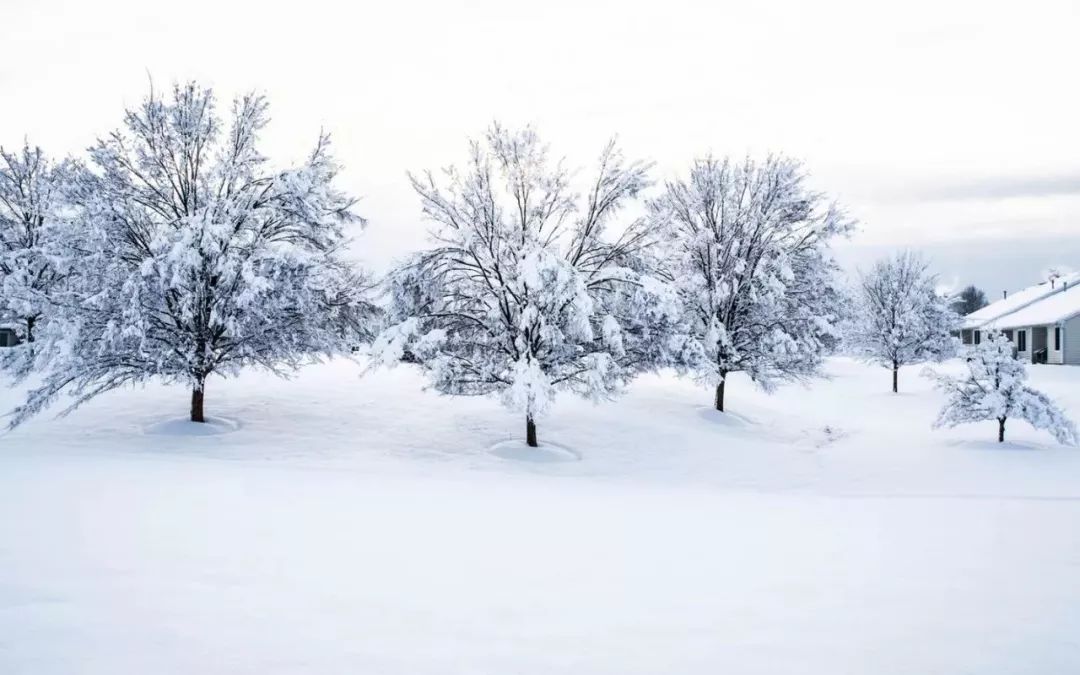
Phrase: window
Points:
(1021, 340)
(978, 336)
(1057, 339)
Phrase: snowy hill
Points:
(333, 524)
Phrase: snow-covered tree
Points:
(190, 257)
(530, 289)
(899, 318)
(747, 247)
(30, 201)
(993, 389)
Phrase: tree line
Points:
(172, 249)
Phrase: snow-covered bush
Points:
(993, 389)
(190, 257)
(525, 294)
(899, 318)
(747, 248)
(31, 190)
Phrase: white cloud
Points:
(875, 98)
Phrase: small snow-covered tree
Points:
(525, 293)
(747, 247)
(30, 199)
(898, 316)
(993, 389)
(191, 257)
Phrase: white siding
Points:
(1070, 338)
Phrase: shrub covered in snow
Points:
(525, 294)
(190, 257)
(899, 318)
(746, 248)
(993, 389)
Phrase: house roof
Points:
(1021, 300)
(1054, 308)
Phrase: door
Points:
(1038, 344)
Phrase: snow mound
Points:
(725, 419)
(181, 426)
(984, 445)
(547, 453)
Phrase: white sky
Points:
(934, 123)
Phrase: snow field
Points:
(343, 525)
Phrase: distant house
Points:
(1043, 321)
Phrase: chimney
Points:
(1004, 294)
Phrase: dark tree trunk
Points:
(719, 400)
(895, 369)
(197, 400)
(530, 432)
(1001, 430)
(30, 323)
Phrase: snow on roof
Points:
(1019, 300)
(1064, 303)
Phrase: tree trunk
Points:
(30, 323)
(895, 369)
(530, 432)
(1001, 430)
(197, 400)
(719, 400)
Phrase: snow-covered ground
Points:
(332, 524)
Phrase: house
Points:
(1043, 321)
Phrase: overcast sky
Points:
(951, 127)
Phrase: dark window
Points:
(978, 336)
(1021, 340)
(1057, 339)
